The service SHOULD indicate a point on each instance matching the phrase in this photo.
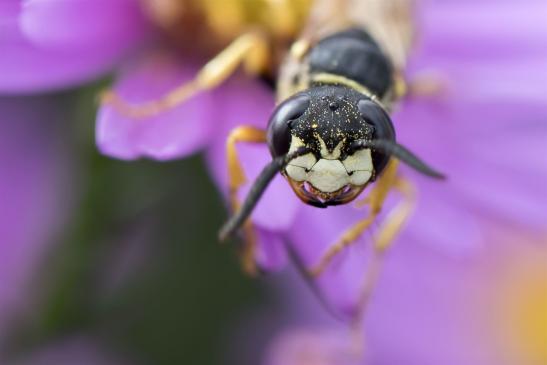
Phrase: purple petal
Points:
(172, 134)
(9, 12)
(271, 254)
(23, 68)
(483, 29)
(80, 24)
(418, 313)
(490, 152)
(473, 81)
(27, 67)
(499, 53)
(324, 346)
(445, 223)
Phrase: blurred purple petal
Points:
(29, 68)
(271, 254)
(465, 30)
(26, 69)
(312, 346)
(80, 24)
(446, 224)
(499, 54)
(9, 13)
(430, 309)
(418, 314)
(172, 134)
(491, 157)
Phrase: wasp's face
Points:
(326, 177)
(326, 120)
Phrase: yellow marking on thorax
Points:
(328, 78)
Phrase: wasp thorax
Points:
(326, 120)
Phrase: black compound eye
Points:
(278, 135)
(376, 116)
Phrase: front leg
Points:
(236, 179)
(375, 200)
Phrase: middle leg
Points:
(385, 236)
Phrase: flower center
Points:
(224, 20)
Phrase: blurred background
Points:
(100, 253)
(108, 229)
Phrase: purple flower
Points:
(485, 128)
(35, 197)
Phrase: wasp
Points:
(331, 135)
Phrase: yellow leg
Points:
(248, 251)
(236, 178)
(393, 223)
(375, 200)
(251, 49)
(382, 241)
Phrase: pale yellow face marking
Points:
(335, 154)
(329, 174)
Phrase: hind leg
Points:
(250, 49)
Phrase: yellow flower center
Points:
(227, 19)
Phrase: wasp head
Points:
(328, 120)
